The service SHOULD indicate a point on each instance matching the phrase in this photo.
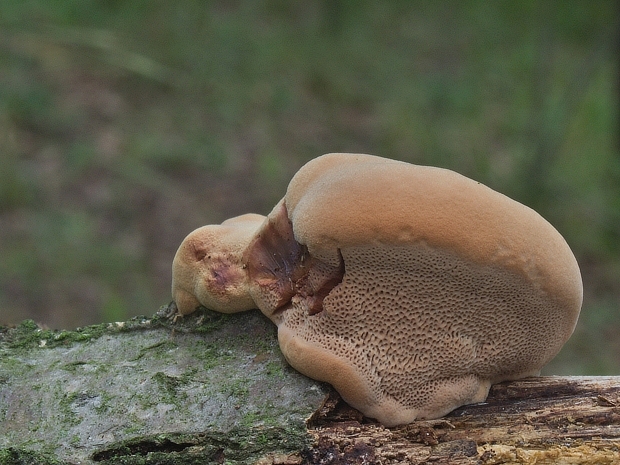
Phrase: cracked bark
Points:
(212, 388)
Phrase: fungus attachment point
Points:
(410, 289)
(282, 270)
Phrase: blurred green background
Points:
(124, 125)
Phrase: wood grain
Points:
(545, 420)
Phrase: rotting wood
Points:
(545, 420)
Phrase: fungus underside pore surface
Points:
(428, 328)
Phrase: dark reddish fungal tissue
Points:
(285, 271)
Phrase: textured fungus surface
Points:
(436, 348)
(410, 289)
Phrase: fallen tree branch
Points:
(214, 388)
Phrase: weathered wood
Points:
(214, 388)
(545, 420)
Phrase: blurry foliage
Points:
(125, 125)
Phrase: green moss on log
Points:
(204, 387)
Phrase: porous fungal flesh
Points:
(410, 289)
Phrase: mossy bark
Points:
(206, 388)
(213, 388)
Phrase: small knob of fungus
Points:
(208, 269)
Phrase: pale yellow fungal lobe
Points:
(410, 289)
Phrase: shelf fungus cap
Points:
(410, 289)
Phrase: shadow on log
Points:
(213, 388)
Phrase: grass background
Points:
(125, 125)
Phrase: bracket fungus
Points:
(410, 289)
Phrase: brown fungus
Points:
(410, 289)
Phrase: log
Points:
(213, 388)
